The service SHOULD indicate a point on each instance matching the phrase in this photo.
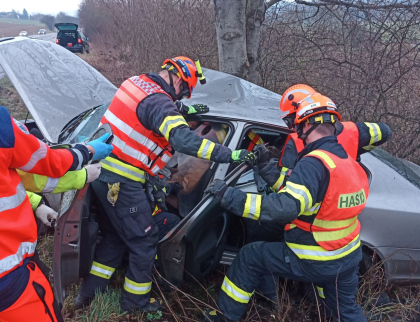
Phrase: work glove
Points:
(263, 155)
(101, 149)
(47, 215)
(93, 171)
(217, 188)
(243, 156)
(191, 109)
(159, 190)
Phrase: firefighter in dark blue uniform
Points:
(146, 125)
(322, 242)
(355, 137)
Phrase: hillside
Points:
(12, 27)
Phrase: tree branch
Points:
(269, 3)
(361, 5)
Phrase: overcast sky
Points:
(41, 6)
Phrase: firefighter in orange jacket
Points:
(147, 126)
(322, 242)
(25, 294)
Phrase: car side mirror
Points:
(87, 38)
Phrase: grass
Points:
(10, 98)
(22, 22)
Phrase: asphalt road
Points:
(46, 37)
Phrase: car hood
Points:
(55, 84)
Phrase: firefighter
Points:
(25, 293)
(320, 203)
(146, 125)
(356, 139)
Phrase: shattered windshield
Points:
(82, 127)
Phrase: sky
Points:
(41, 6)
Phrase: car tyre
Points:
(82, 51)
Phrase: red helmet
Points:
(185, 69)
(317, 104)
(293, 96)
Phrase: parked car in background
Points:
(23, 33)
(67, 99)
(71, 38)
(42, 32)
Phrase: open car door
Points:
(193, 249)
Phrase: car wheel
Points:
(82, 51)
(87, 50)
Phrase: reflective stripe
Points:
(206, 149)
(235, 292)
(324, 157)
(126, 149)
(51, 184)
(79, 157)
(320, 254)
(126, 99)
(123, 169)
(137, 288)
(252, 207)
(102, 270)
(307, 108)
(298, 90)
(129, 131)
(169, 123)
(320, 292)
(280, 180)
(9, 262)
(39, 154)
(331, 235)
(311, 211)
(375, 135)
(334, 223)
(13, 201)
(300, 193)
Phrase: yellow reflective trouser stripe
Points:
(206, 149)
(329, 224)
(235, 292)
(323, 236)
(102, 270)
(137, 288)
(123, 169)
(325, 157)
(252, 207)
(300, 193)
(169, 123)
(375, 135)
(320, 292)
(320, 254)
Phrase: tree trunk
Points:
(231, 36)
(255, 14)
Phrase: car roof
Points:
(232, 97)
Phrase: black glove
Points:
(243, 156)
(217, 188)
(191, 109)
(175, 188)
(263, 154)
(159, 190)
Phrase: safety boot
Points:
(212, 316)
(82, 301)
(153, 306)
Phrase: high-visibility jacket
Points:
(35, 183)
(333, 222)
(19, 150)
(134, 144)
(348, 138)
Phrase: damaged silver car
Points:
(67, 98)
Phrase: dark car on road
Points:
(67, 98)
(42, 32)
(71, 38)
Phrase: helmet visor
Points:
(290, 120)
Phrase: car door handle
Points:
(223, 229)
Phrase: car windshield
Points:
(82, 127)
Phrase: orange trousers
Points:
(36, 302)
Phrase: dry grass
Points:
(10, 98)
(12, 27)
